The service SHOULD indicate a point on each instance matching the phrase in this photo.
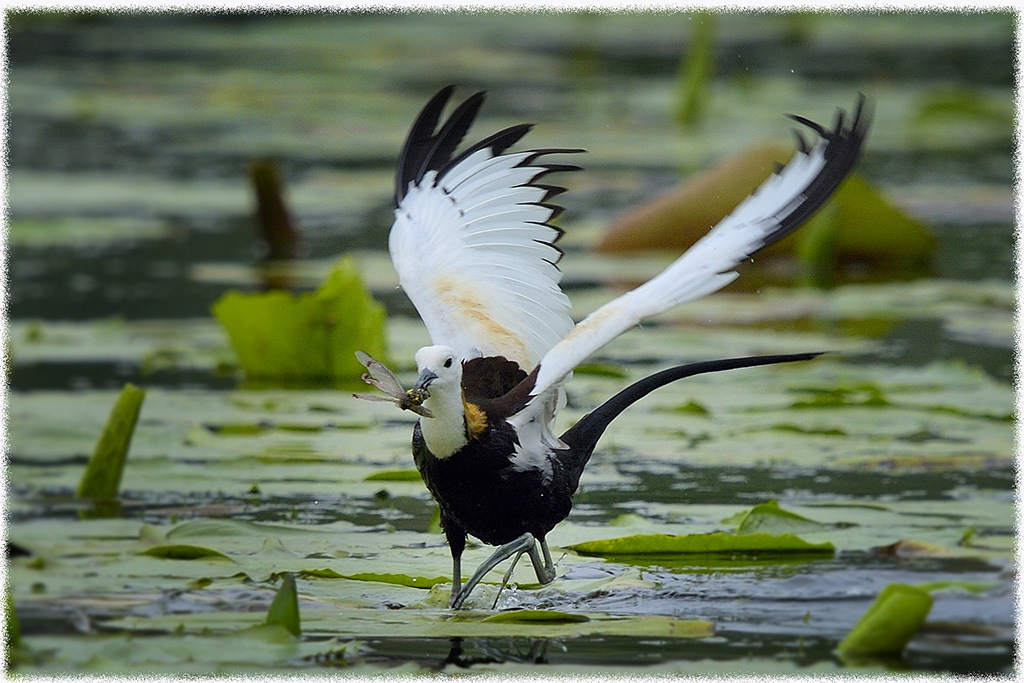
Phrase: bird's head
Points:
(440, 379)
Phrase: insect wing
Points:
(380, 377)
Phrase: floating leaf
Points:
(664, 545)
(600, 370)
(102, 478)
(536, 616)
(398, 579)
(692, 408)
(891, 621)
(429, 623)
(128, 656)
(910, 547)
(769, 517)
(859, 396)
(81, 231)
(323, 573)
(284, 609)
(962, 103)
(967, 586)
(199, 528)
(311, 337)
(395, 475)
(815, 431)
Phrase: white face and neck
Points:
(440, 371)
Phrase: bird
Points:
(475, 250)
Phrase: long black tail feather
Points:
(582, 437)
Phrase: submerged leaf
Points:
(102, 478)
(664, 545)
(891, 621)
(310, 336)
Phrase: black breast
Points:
(489, 377)
(480, 488)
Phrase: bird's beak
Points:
(415, 397)
(424, 380)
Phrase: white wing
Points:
(471, 240)
(780, 205)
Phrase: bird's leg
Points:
(456, 579)
(504, 579)
(545, 568)
(502, 553)
(456, 536)
(526, 543)
(548, 566)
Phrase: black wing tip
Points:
(428, 147)
(842, 147)
(863, 114)
(431, 147)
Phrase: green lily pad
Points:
(664, 545)
(890, 622)
(308, 337)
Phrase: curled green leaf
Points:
(890, 622)
(102, 477)
(312, 336)
(284, 609)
